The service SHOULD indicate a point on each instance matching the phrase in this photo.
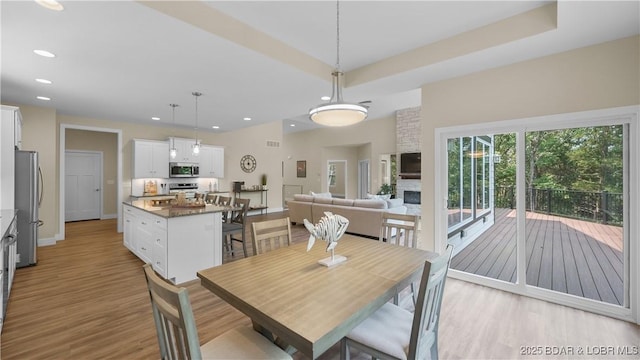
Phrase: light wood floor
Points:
(87, 299)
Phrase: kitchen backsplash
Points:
(138, 185)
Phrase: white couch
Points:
(365, 215)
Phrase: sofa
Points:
(365, 215)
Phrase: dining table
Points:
(310, 307)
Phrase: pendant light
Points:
(338, 112)
(195, 149)
(173, 152)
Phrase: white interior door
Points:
(83, 182)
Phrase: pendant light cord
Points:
(338, 35)
(173, 122)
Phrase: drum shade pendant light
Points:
(337, 112)
(173, 152)
(195, 148)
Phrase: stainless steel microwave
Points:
(184, 170)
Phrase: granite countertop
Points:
(171, 212)
(6, 218)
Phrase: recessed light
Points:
(43, 98)
(216, 127)
(325, 98)
(44, 53)
(50, 4)
(247, 119)
(155, 118)
(292, 125)
(43, 81)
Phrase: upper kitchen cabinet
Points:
(184, 150)
(150, 159)
(10, 139)
(211, 161)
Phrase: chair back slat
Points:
(238, 216)
(270, 235)
(399, 229)
(173, 316)
(425, 321)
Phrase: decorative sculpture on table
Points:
(330, 228)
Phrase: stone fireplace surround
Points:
(408, 136)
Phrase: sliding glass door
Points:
(544, 211)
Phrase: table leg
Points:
(274, 339)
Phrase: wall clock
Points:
(248, 163)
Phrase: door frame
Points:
(622, 115)
(61, 173)
(101, 178)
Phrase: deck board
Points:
(571, 256)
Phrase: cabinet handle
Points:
(143, 223)
(142, 248)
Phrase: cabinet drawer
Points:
(159, 222)
(145, 250)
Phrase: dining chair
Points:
(211, 199)
(401, 230)
(178, 335)
(395, 333)
(270, 235)
(235, 224)
(223, 201)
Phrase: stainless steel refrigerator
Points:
(27, 200)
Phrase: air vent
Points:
(273, 143)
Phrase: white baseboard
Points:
(47, 241)
(108, 216)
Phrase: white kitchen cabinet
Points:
(150, 159)
(130, 220)
(176, 247)
(211, 162)
(184, 150)
(10, 137)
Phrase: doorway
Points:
(337, 178)
(83, 185)
(115, 180)
(364, 179)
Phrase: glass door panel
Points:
(574, 211)
(484, 231)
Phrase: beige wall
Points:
(107, 144)
(41, 133)
(596, 77)
(380, 134)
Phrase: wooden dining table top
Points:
(309, 306)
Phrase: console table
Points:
(264, 198)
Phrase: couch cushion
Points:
(322, 195)
(343, 202)
(303, 197)
(322, 200)
(370, 203)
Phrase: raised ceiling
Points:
(271, 60)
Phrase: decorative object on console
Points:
(248, 163)
(337, 112)
(263, 181)
(196, 145)
(330, 228)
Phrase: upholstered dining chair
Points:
(178, 335)
(401, 230)
(236, 225)
(395, 333)
(270, 235)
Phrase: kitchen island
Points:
(178, 242)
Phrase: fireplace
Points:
(412, 197)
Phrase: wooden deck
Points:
(566, 255)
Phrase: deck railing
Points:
(602, 207)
